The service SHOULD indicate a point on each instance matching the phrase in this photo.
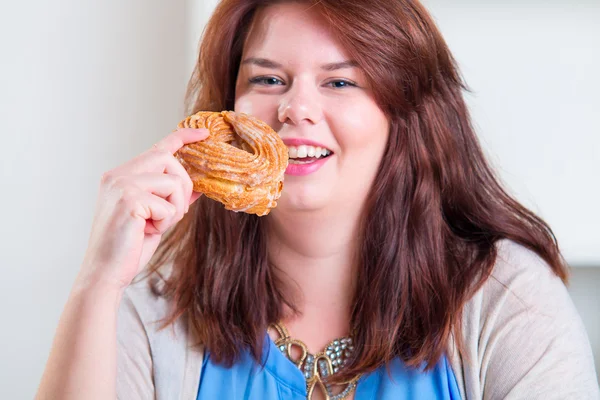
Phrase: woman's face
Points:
(297, 78)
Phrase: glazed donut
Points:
(241, 164)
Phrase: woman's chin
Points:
(291, 201)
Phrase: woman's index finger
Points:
(181, 137)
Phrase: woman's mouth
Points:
(305, 159)
(306, 154)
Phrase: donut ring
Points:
(241, 164)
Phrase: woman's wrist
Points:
(97, 286)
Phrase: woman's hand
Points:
(137, 202)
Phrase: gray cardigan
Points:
(523, 337)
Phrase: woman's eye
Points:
(339, 84)
(272, 81)
(266, 80)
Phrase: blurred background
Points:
(85, 86)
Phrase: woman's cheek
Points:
(355, 120)
(245, 105)
(261, 107)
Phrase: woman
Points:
(393, 235)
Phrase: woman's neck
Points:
(315, 256)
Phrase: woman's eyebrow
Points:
(339, 65)
(262, 62)
(266, 63)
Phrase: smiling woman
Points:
(316, 98)
(394, 265)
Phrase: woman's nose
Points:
(298, 105)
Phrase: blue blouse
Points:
(281, 379)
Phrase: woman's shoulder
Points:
(135, 367)
(143, 304)
(524, 296)
(522, 280)
(149, 356)
(142, 298)
(522, 334)
(521, 290)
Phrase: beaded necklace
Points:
(317, 367)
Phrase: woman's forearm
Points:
(82, 361)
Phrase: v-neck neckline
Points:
(289, 375)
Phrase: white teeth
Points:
(303, 151)
(294, 161)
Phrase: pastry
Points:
(241, 164)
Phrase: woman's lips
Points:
(306, 168)
(306, 164)
(301, 141)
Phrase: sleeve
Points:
(134, 360)
(532, 343)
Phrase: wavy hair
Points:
(433, 215)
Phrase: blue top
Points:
(281, 379)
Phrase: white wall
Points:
(533, 67)
(85, 86)
(198, 13)
(583, 289)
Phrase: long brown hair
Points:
(434, 213)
